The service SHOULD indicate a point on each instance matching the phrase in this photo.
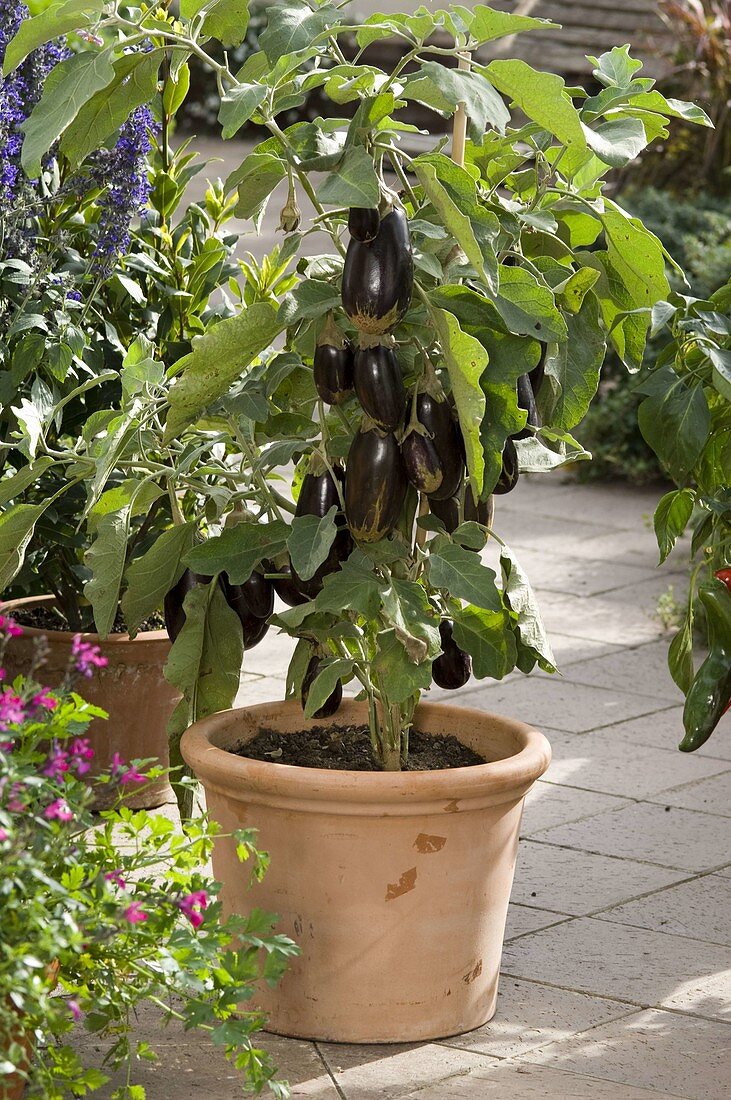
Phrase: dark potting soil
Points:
(348, 748)
(48, 618)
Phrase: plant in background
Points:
(451, 336)
(116, 912)
(686, 418)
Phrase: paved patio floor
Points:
(616, 978)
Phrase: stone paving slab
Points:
(699, 909)
(511, 1081)
(523, 919)
(712, 796)
(642, 670)
(388, 1072)
(550, 804)
(664, 730)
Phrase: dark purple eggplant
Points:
(259, 594)
(379, 386)
(482, 512)
(363, 223)
(453, 667)
(421, 460)
(509, 474)
(173, 603)
(447, 511)
(332, 703)
(339, 552)
(375, 485)
(237, 597)
(378, 276)
(333, 373)
(436, 417)
(318, 494)
(527, 401)
(286, 587)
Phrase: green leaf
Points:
(396, 674)
(238, 550)
(407, 609)
(291, 27)
(510, 356)
(226, 20)
(521, 599)
(572, 368)
(58, 18)
(12, 487)
(487, 24)
(451, 190)
(527, 306)
(617, 141)
(461, 573)
(675, 422)
(543, 98)
(218, 358)
(487, 637)
(680, 655)
(576, 287)
(615, 68)
(444, 89)
(134, 83)
(297, 668)
(353, 183)
(325, 683)
(354, 586)
(721, 371)
(150, 577)
(466, 361)
(671, 518)
(238, 105)
(311, 298)
(68, 87)
(105, 559)
(255, 179)
(16, 531)
(672, 108)
(309, 542)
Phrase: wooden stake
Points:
(459, 129)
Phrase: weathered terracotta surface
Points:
(395, 886)
(131, 689)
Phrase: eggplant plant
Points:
(445, 337)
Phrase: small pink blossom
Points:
(12, 709)
(134, 913)
(123, 774)
(44, 699)
(81, 753)
(116, 878)
(74, 1010)
(193, 905)
(58, 810)
(57, 763)
(4, 834)
(86, 656)
(16, 805)
(10, 627)
(7, 746)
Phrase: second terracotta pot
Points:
(395, 885)
(131, 689)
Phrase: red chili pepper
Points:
(725, 576)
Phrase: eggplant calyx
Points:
(429, 383)
(331, 335)
(367, 424)
(368, 340)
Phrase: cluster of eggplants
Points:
(253, 602)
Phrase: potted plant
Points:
(448, 341)
(86, 297)
(109, 917)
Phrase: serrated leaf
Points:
(16, 531)
(309, 542)
(106, 558)
(218, 358)
(397, 675)
(522, 601)
(325, 683)
(466, 361)
(68, 87)
(238, 105)
(353, 182)
(671, 518)
(461, 573)
(238, 550)
(487, 637)
(150, 577)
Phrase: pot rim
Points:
(204, 748)
(65, 636)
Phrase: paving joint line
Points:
(329, 1071)
(630, 859)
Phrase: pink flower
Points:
(44, 699)
(74, 1010)
(123, 774)
(57, 763)
(82, 753)
(16, 805)
(4, 834)
(116, 878)
(58, 810)
(192, 905)
(7, 746)
(12, 709)
(10, 627)
(134, 914)
(86, 656)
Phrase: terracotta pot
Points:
(395, 885)
(131, 689)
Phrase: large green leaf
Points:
(572, 367)
(354, 586)
(106, 558)
(407, 609)
(675, 421)
(216, 361)
(325, 683)
(292, 26)
(309, 542)
(522, 601)
(527, 306)
(238, 105)
(543, 98)
(617, 141)
(461, 573)
(444, 89)
(510, 356)
(671, 517)
(226, 20)
(466, 361)
(13, 487)
(134, 83)
(59, 17)
(68, 87)
(150, 577)
(487, 637)
(255, 179)
(353, 183)
(16, 531)
(238, 550)
(487, 24)
(395, 672)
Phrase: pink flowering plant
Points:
(102, 913)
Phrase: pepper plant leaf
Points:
(671, 518)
